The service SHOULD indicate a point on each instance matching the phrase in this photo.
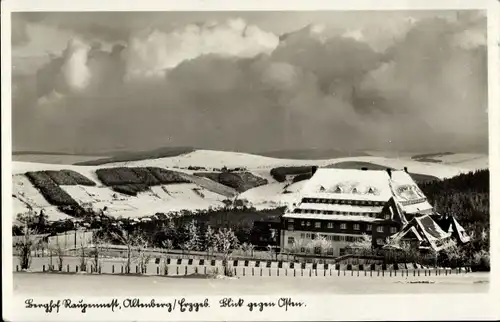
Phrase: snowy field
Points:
(111, 285)
(203, 193)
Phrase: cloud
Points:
(151, 52)
(234, 86)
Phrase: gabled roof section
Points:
(427, 231)
(393, 211)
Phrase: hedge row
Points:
(239, 181)
(79, 178)
(280, 173)
(302, 177)
(69, 178)
(131, 189)
(168, 176)
(52, 192)
(150, 176)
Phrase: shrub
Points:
(131, 189)
(214, 176)
(302, 177)
(146, 176)
(168, 176)
(61, 178)
(239, 181)
(117, 176)
(79, 178)
(54, 194)
(280, 173)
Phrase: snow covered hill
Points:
(203, 193)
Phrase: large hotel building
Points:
(341, 205)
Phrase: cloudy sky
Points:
(250, 81)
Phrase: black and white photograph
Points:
(225, 153)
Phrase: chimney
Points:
(389, 172)
(313, 169)
(364, 169)
(406, 169)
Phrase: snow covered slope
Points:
(203, 193)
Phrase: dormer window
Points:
(370, 190)
(321, 189)
(338, 189)
(354, 190)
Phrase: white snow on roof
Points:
(349, 181)
(339, 208)
(417, 208)
(331, 217)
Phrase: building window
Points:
(380, 229)
(368, 227)
(341, 238)
(302, 223)
(290, 220)
(302, 235)
(317, 250)
(302, 249)
(343, 226)
(393, 230)
(290, 227)
(336, 238)
(342, 251)
(387, 216)
(329, 251)
(317, 224)
(380, 241)
(356, 226)
(350, 238)
(330, 225)
(308, 236)
(308, 224)
(291, 240)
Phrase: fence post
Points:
(77, 268)
(253, 271)
(121, 269)
(205, 270)
(185, 270)
(43, 267)
(243, 271)
(17, 268)
(261, 272)
(277, 272)
(177, 269)
(383, 273)
(390, 273)
(100, 269)
(112, 269)
(378, 272)
(310, 273)
(352, 272)
(269, 271)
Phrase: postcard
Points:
(280, 160)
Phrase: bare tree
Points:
(26, 245)
(226, 243)
(167, 245)
(137, 245)
(98, 248)
(59, 252)
(142, 256)
(210, 240)
(126, 238)
(83, 255)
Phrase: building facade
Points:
(339, 207)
